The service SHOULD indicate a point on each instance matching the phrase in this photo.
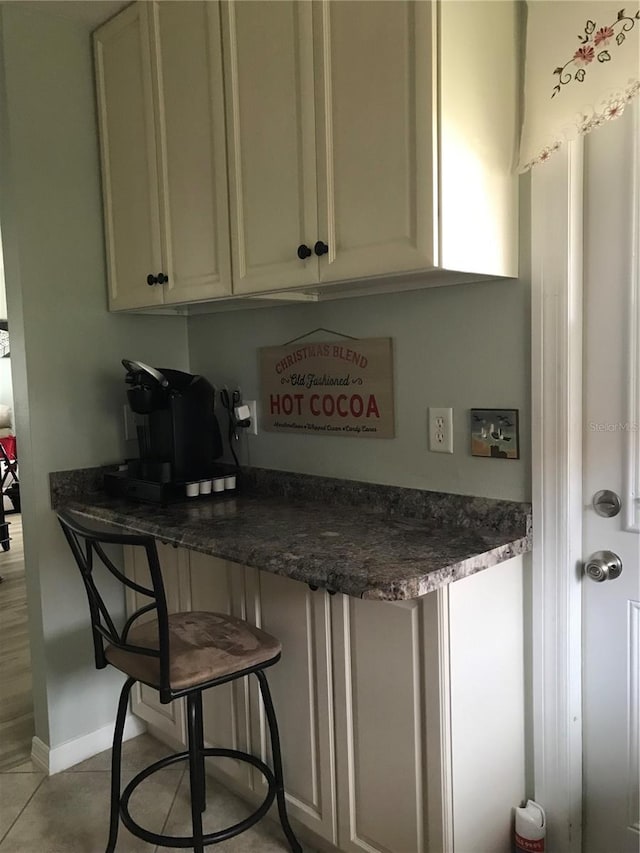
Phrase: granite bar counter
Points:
(362, 539)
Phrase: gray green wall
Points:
(66, 348)
(460, 346)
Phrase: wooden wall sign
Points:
(329, 388)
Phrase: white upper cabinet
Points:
(374, 84)
(268, 49)
(161, 108)
(401, 156)
(190, 123)
(129, 163)
(477, 127)
(336, 146)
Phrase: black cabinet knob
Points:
(161, 278)
(320, 248)
(303, 252)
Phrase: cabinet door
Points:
(301, 685)
(168, 719)
(268, 56)
(487, 688)
(128, 152)
(376, 137)
(187, 65)
(218, 585)
(380, 726)
(302, 690)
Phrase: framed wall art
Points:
(495, 433)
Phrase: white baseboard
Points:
(74, 751)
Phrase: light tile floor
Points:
(69, 812)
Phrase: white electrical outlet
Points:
(253, 429)
(441, 430)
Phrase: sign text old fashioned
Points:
(329, 388)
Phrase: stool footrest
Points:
(186, 841)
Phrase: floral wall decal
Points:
(593, 46)
(597, 80)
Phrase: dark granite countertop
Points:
(360, 539)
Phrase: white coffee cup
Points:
(230, 482)
(205, 487)
(192, 489)
(218, 484)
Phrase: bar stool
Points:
(180, 654)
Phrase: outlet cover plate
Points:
(440, 430)
(253, 409)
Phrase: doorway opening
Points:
(16, 697)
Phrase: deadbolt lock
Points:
(606, 503)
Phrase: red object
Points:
(529, 845)
(9, 444)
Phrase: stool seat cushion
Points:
(203, 646)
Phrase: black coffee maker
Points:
(178, 433)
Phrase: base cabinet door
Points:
(168, 719)
(487, 705)
(380, 726)
(218, 585)
(301, 687)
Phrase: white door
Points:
(611, 609)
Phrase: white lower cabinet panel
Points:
(487, 706)
(379, 725)
(401, 724)
(166, 719)
(301, 687)
(218, 586)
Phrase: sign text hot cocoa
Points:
(329, 388)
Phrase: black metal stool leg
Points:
(116, 763)
(200, 727)
(294, 844)
(195, 768)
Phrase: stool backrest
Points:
(86, 544)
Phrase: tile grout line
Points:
(173, 802)
(20, 813)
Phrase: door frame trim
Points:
(632, 478)
(557, 236)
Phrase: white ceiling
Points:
(91, 13)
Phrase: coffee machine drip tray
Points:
(120, 484)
